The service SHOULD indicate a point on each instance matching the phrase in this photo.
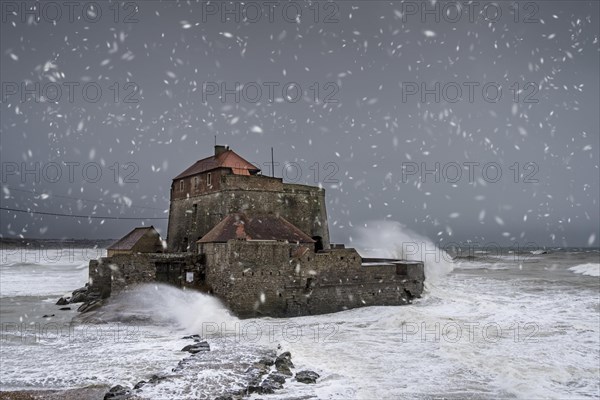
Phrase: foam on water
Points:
(547, 345)
(522, 345)
(590, 269)
(137, 334)
(163, 304)
(44, 272)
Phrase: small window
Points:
(196, 182)
(209, 179)
(181, 185)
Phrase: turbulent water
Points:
(489, 326)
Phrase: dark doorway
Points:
(318, 243)
(170, 273)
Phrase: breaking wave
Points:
(389, 239)
(163, 304)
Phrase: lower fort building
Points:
(260, 245)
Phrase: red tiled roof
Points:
(128, 241)
(259, 227)
(227, 159)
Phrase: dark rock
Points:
(284, 370)
(197, 347)
(283, 363)
(257, 369)
(92, 305)
(84, 295)
(64, 308)
(63, 301)
(284, 358)
(263, 388)
(271, 385)
(79, 298)
(196, 338)
(307, 377)
(267, 361)
(83, 289)
(156, 378)
(139, 385)
(118, 393)
(224, 397)
(277, 377)
(48, 316)
(182, 364)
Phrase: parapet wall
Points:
(280, 279)
(111, 275)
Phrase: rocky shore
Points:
(267, 374)
(91, 300)
(90, 393)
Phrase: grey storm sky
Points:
(357, 123)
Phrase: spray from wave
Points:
(163, 304)
(390, 239)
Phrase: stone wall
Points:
(100, 277)
(192, 188)
(111, 275)
(269, 278)
(192, 217)
(280, 279)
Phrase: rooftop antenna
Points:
(215, 140)
(272, 164)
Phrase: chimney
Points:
(219, 149)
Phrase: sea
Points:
(499, 324)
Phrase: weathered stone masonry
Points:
(264, 248)
(192, 217)
(261, 278)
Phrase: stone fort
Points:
(259, 244)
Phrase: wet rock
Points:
(79, 298)
(156, 378)
(277, 377)
(118, 393)
(64, 308)
(307, 377)
(181, 365)
(92, 305)
(80, 295)
(257, 369)
(63, 301)
(271, 385)
(263, 388)
(196, 338)
(283, 363)
(139, 385)
(267, 361)
(197, 347)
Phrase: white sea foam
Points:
(590, 269)
(157, 303)
(547, 348)
(41, 271)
